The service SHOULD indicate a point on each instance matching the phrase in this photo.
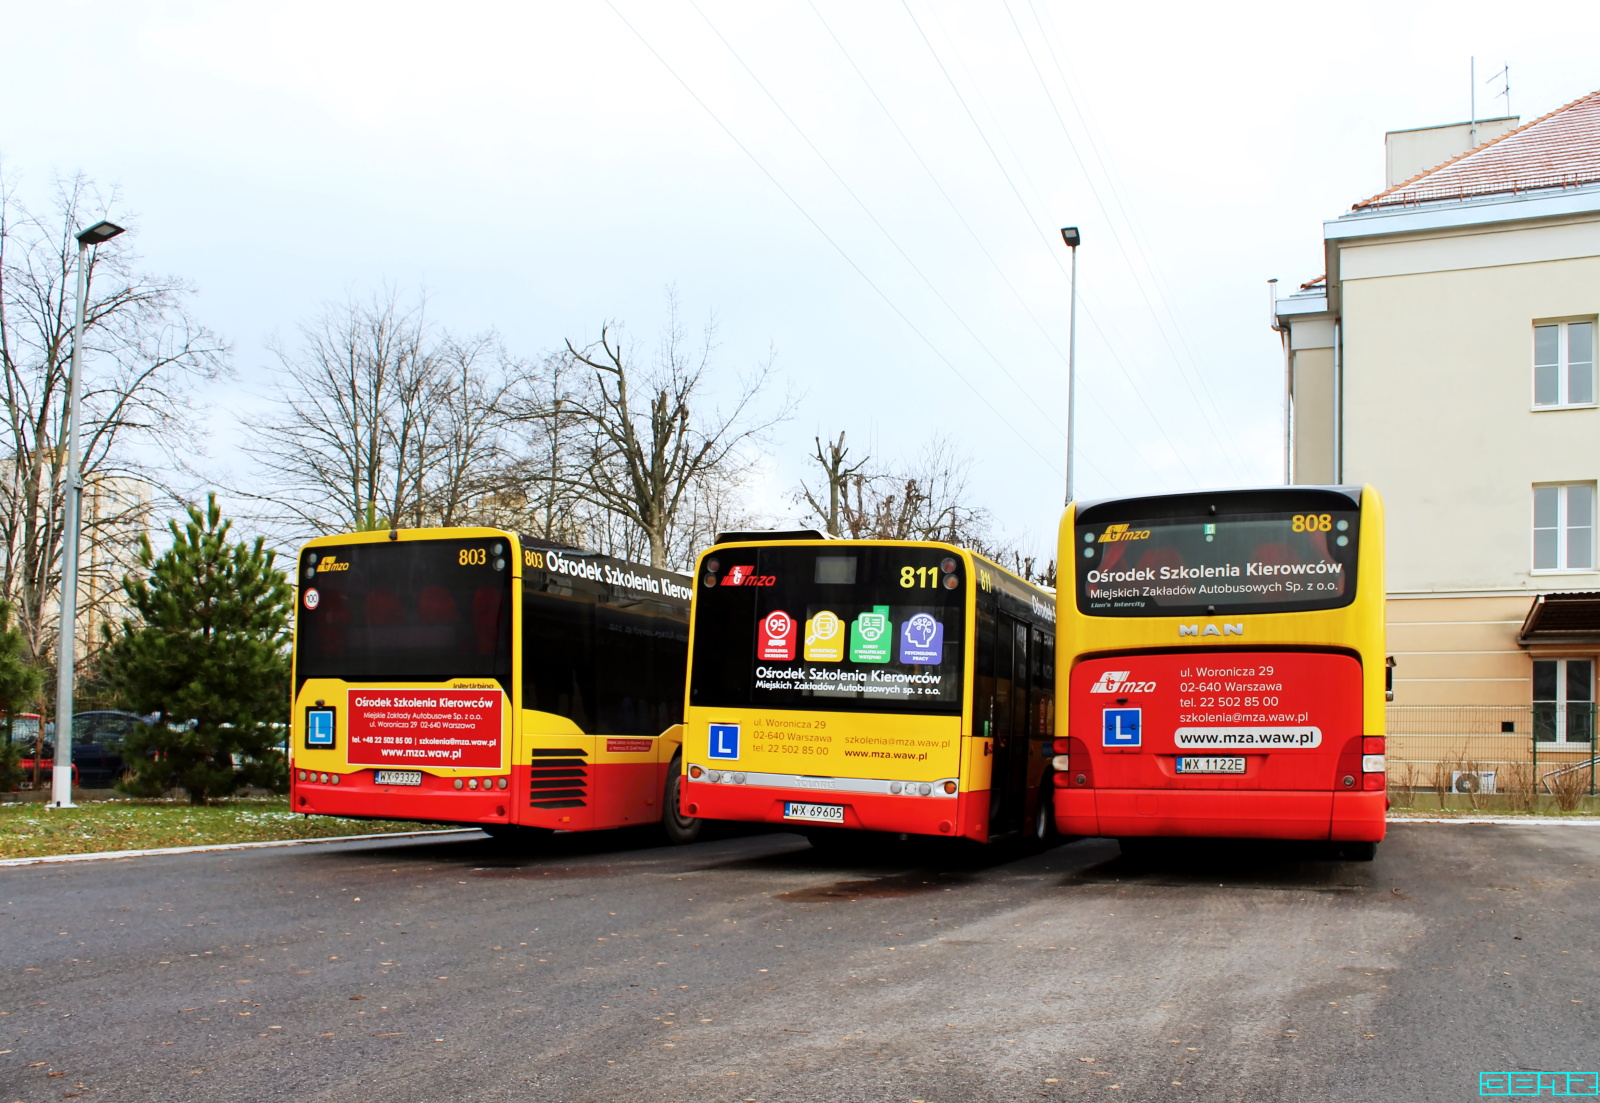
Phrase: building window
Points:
(1563, 701)
(1563, 364)
(1563, 527)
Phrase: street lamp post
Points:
(1069, 234)
(66, 648)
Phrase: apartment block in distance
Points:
(1447, 357)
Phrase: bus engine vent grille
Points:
(558, 778)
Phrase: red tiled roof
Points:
(1558, 150)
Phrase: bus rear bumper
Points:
(1226, 814)
(424, 806)
(862, 811)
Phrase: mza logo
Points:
(1211, 630)
(724, 741)
(1116, 681)
(1121, 728)
(1115, 534)
(741, 575)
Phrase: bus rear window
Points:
(857, 629)
(410, 611)
(1218, 556)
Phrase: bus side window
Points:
(1042, 663)
(983, 673)
(558, 654)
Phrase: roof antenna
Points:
(1504, 76)
(1472, 99)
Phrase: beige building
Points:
(1448, 358)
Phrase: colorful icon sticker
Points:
(870, 640)
(778, 631)
(824, 638)
(922, 641)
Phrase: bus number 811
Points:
(1312, 522)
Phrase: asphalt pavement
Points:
(750, 967)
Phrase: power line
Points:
(867, 210)
(827, 237)
(1006, 173)
(1116, 197)
(1000, 271)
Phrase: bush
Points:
(210, 654)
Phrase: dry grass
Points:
(32, 830)
(1570, 787)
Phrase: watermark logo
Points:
(1523, 1084)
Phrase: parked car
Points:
(25, 730)
(97, 738)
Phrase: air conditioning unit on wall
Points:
(1472, 781)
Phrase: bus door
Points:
(1009, 773)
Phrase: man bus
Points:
(469, 676)
(840, 686)
(1224, 668)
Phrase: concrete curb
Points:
(1505, 821)
(157, 851)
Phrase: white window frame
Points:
(1562, 529)
(1562, 703)
(1563, 329)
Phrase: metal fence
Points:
(1523, 757)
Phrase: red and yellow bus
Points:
(1223, 667)
(840, 686)
(469, 676)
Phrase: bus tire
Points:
(678, 828)
(1044, 817)
(1357, 852)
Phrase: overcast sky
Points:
(870, 191)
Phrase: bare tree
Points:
(380, 422)
(928, 498)
(837, 475)
(142, 352)
(652, 443)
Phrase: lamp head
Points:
(1069, 234)
(99, 232)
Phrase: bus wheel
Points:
(677, 827)
(1357, 852)
(1044, 818)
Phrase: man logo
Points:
(1210, 630)
(1116, 681)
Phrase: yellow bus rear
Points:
(866, 685)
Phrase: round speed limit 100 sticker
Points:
(312, 598)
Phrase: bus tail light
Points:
(1071, 763)
(1372, 744)
(695, 772)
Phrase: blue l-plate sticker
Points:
(1121, 727)
(724, 741)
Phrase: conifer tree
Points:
(19, 684)
(208, 652)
